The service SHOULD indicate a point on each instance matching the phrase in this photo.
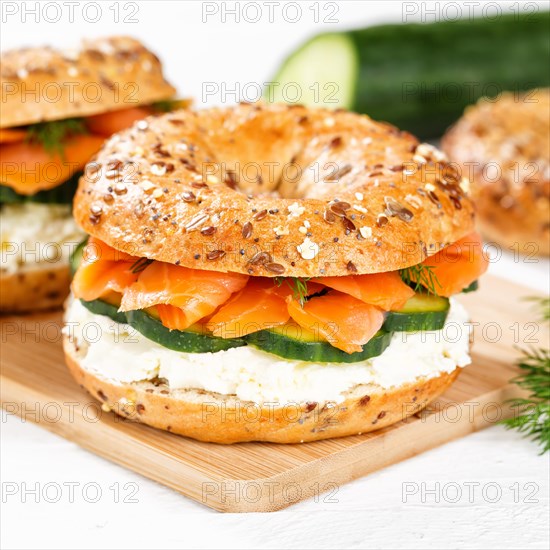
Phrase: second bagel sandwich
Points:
(270, 273)
(58, 106)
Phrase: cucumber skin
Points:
(76, 256)
(178, 340)
(316, 352)
(405, 322)
(421, 312)
(99, 307)
(466, 59)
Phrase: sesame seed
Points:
(147, 185)
(359, 196)
(96, 209)
(120, 189)
(188, 196)
(158, 169)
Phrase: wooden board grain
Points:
(36, 386)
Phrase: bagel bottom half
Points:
(37, 240)
(34, 289)
(217, 418)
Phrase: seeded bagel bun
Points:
(506, 146)
(221, 418)
(273, 191)
(34, 289)
(106, 74)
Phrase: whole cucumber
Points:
(419, 77)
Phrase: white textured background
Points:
(368, 513)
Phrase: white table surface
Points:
(504, 483)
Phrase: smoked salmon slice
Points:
(102, 271)
(385, 290)
(458, 265)
(261, 304)
(107, 124)
(9, 135)
(29, 168)
(342, 320)
(196, 292)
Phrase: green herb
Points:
(298, 286)
(168, 105)
(471, 287)
(52, 134)
(139, 265)
(420, 276)
(533, 413)
(544, 304)
(532, 417)
(62, 194)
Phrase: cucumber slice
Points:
(330, 83)
(187, 341)
(421, 312)
(294, 342)
(76, 256)
(100, 307)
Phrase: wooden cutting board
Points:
(259, 476)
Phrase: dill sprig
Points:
(297, 285)
(139, 265)
(532, 417)
(168, 105)
(533, 412)
(53, 134)
(543, 304)
(420, 276)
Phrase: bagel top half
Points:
(42, 83)
(273, 191)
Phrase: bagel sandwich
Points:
(273, 273)
(503, 146)
(57, 108)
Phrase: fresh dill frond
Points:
(419, 277)
(168, 105)
(139, 265)
(543, 304)
(53, 134)
(297, 285)
(532, 415)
